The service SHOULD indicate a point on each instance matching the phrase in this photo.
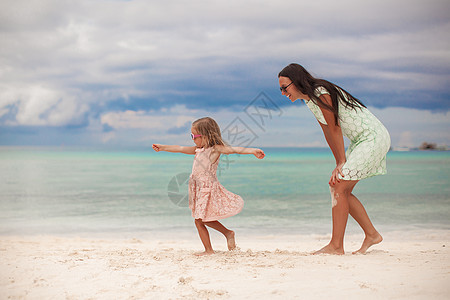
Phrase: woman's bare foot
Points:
(368, 242)
(231, 242)
(205, 253)
(329, 249)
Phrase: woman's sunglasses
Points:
(283, 88)
(193, 136)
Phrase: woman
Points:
(340, 114)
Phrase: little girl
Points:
(208, 199)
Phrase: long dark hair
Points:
(306, 84)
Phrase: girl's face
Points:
(198, 139)
(290, 90)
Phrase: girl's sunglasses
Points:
(193, 136)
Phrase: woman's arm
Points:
(174, 148)
(334, 138)
(335, 141)
(239, 150)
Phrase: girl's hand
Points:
(156, 147)
(259, 153)
(335, 174)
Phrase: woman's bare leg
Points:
(204, 237)
(229, 234)
(358, 213)
(340, 193)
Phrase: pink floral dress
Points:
(208, 199)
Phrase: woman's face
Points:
(198, 139)
(290, 90)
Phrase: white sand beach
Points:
(413, 265)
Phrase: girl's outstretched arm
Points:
(174, 148)
(240, 150)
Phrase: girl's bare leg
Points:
(358, 213)
(229, 234)
(204, 236)
(340, 194)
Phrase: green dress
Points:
(369, 139)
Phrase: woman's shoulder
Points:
(321, 90)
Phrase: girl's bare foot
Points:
(368, 242)
(205, 253)
(231, 242)
(329, 249)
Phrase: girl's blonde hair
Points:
(210, 131)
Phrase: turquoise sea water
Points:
(87, 192)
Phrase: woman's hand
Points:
(259, 153)
(335, 174)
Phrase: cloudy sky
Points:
(132, 73)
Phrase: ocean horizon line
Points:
(126, 148)
(149, 148)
